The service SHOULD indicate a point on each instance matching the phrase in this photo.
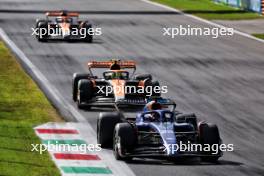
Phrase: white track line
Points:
(67, 162)
(58, 136)
(202, 20)
(117, 167)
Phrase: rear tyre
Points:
(155, 92)
(155, 84)
(105, 128)
(75, 79)
(143, 77)
(88, 38)
(209, 134)
(124, 139)
(84, 94)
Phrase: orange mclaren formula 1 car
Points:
(117, 86)
(63, 25)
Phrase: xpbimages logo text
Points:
(58, 31)
(188, 30)
(120, 89)
(57, 147)
(192, 147)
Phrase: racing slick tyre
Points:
(42, 25)
(105, 128)
(85, 93)
(153, 86)
(88, 38)
(75, 79)
(124, 139)
(209, 134)
(143, 77)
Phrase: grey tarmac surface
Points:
(221, 80)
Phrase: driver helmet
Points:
(153, 105)
(64, 13)
(115, 66)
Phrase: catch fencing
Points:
(251, 5)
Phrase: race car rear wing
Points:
(107, 64)
(165, 103)
(59, 13)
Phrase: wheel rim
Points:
(78, 97)
(97, 130)
(117, 146)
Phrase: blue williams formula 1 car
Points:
(158, 132)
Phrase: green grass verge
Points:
(22, 106)
(209, 10)
(261, 36)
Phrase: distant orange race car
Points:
(63, 25)
(117, 85)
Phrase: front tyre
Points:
(42, 27)
(84, 94)
(209, 136)
(123, 141)
(75, 79)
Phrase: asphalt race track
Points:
(221, 80)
